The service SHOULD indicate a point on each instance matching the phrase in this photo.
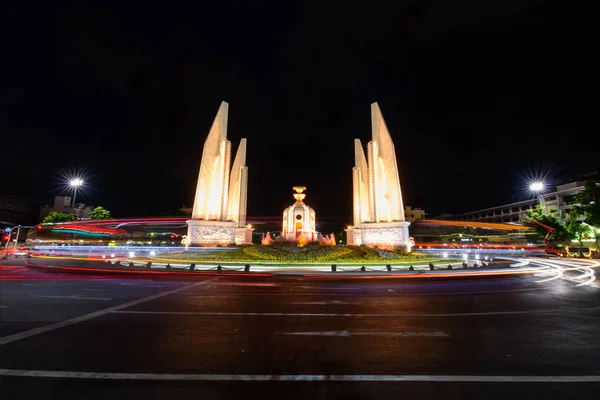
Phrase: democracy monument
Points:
(377, 198)
(219, 212)
(299, 219)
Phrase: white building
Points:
(63, 204)
(562, 200)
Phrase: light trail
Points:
(558, 268)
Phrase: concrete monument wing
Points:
(377, 197)
(219, 213)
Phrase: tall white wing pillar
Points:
(387, 193)
(219, 213)
(360, 178)
(377, 198)
(238, 187)
(214, 167)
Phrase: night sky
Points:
(476, 94)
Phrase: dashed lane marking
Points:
(74, 297)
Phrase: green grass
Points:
(310, 254)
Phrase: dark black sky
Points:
(475, 93)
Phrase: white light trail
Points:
(560, 267)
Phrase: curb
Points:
(419, 275)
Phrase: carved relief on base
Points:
(380, 233)
(210, 232)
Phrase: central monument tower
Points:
(377, 197)
(299, 218)
(219, 213)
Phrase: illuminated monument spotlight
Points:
(377, 198)
(219, 213)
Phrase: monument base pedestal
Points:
(243, 235)
(380, 234)
(202, 233)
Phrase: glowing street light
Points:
(536, 186)
(75, 183)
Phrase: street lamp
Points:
(10, 231)
(75, 183)
(537, 187)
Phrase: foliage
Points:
(589, 206)
(342, 237)
(589, 203)
(310, 253)
(57, 216)
(551, 220)
(100, 213)
(577, 228)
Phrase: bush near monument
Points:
(311, 253)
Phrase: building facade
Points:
(560, 201)
(63, 204)
(413, 214)
(505, 213)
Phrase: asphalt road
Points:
(67, 336)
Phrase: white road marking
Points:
(93, 290)
(139, 284)
(303, 378)
(546, 311)
(61, 324)
(73, 297)
(322, 303)
(385, 294)
(349, 334)
(246, 284)
(327, 288)
(3, 306)
(28, 284)
(406, 334)
(325, 333)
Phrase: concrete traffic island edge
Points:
(193, 271)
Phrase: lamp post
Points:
(18, 228)
(537, 187)
(75, 183)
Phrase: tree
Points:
(551, 220)
(576, 227)
(100, 213)
(56, 216)
(588, 205)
